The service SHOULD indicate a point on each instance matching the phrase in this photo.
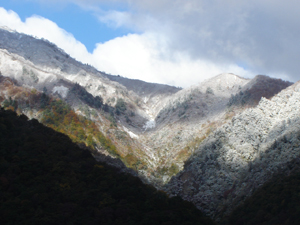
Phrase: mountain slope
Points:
(242, 155)
(41, 65)
(259, 86)
(47, 179)
(143, 88)
(192, 114)
(208, 130)
(275, 202)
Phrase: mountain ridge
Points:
(261, 139)
(160, 131)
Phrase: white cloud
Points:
(43, 28)
(115, 19)
(140, 56)
(9, 18)
(263, 34)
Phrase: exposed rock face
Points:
(241, 155)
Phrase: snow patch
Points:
(131, 134)
(149, 124)
(63, 91)
(145, 99)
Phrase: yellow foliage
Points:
(33, 91)
(10, 108)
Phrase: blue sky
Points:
(83, 24)
(173, 42)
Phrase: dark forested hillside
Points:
(47, 179)
(275, 203)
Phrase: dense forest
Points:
(45, 178)
(275, 203)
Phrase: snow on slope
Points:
(167, 123)
(241, 155)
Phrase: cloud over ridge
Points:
(182, 43)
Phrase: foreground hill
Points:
(47, 179)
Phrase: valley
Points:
(213, 144)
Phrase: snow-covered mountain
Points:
(243, 154)
(220, 134)
(38, 64)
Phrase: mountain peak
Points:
(156, 129)
(224, 84)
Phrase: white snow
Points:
(149, 124)
(63, 91)
(145, 99)
(131, 134)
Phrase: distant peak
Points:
(225, 79)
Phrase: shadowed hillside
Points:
(213, 144)
(258, 87)
(143, 88)
(47, 179)
(275, 203)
